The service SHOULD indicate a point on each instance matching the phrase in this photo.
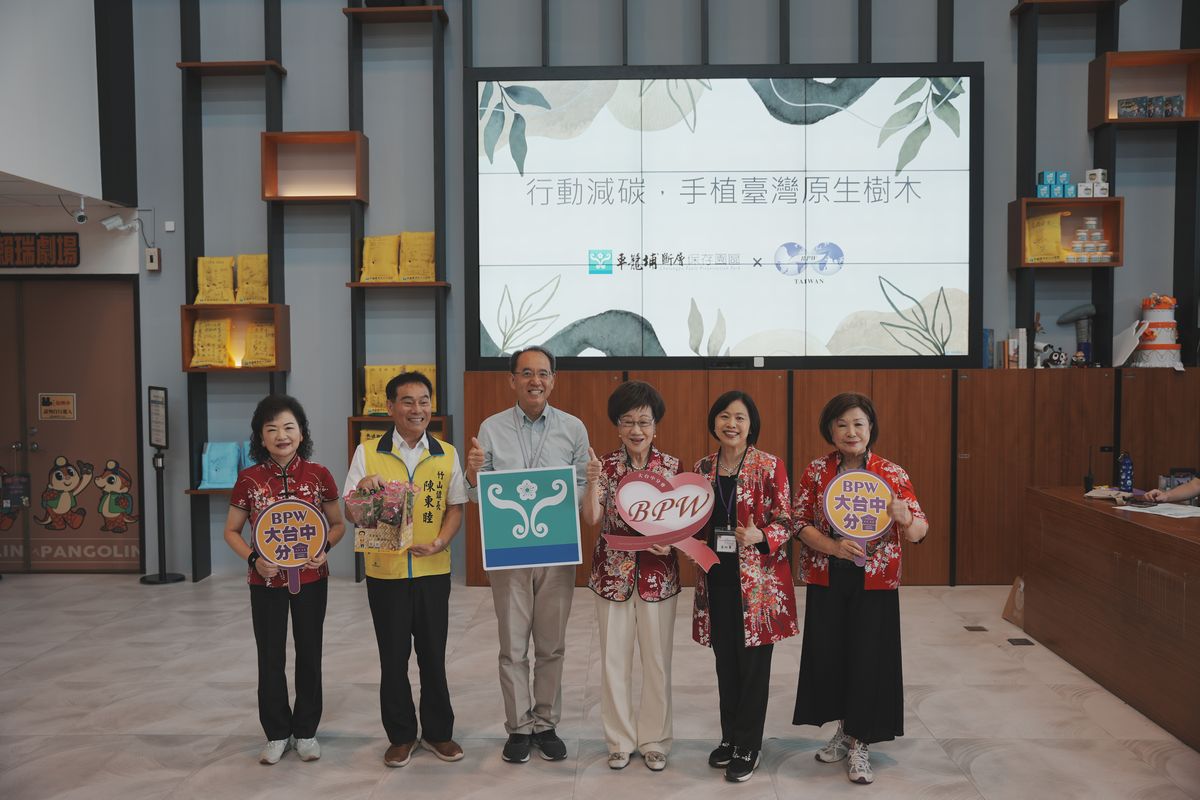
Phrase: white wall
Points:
(101, 252)
(50, 131)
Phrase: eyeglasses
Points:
(630, 424)
(528, 374)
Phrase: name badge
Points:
(726, 540)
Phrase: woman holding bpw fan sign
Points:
(850, 509)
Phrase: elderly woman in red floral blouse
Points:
(745, 603)
(850, 668)
(636, 593)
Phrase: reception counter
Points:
(1117, 594)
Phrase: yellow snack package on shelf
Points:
(252, 286)
(377, 377)
(260, 345)
(214, 279)
(1043, 239)
(380, 261)
(369, 436)
(429, 371)
(210, 343)
(417, 256)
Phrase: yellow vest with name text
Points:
(432, 480)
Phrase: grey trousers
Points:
(532, 602)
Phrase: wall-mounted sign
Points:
(56, 406)
(158, 417)
(20, 250)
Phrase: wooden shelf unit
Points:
(1060, 6)
(240, 313)
(1116, 75)
(315, 166)
(444, 285)
(1111, 211)
(396, 14)
(225, 69)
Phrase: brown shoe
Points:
(446, 751)
(399, 754)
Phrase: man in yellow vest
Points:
(409, 592)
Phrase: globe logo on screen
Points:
(789, 258)
(826, 258)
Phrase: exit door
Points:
(69, 421)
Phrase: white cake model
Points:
(1159, 345)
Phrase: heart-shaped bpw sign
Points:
(666, 511)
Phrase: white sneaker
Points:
(837, 749)
(308, 749)
(858, 768)
(273, 750)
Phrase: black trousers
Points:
(850, 667)
(743, 673)
(408, 612)
(269, 609)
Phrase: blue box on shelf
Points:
(1069, 190)
(1048, 177)
(1043, 190)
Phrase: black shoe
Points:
(742, 765)
(516, 749)
(552, 747)
(719, 758)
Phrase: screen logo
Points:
(600, 262)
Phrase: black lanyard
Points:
(732, 502)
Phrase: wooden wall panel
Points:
(1072, 421)
(583, 394)
(769, 391)
(1160, 421)
(681, 433)
(914, 411)
(811, 390)
(995, 464)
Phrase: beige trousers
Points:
(647, 726)
(532, 602)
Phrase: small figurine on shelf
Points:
(1079, 359)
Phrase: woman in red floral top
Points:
(280, 444)
(850, 668)
(636, 593)
(745, 603)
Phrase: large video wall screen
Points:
(684, 217)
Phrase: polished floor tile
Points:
(115, 690)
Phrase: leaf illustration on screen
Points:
(716, 337)
(526, 324)
(916, 332)
(683, 93)
(506, 101)
(936, 101)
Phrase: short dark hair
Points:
(413, 376)
(840, 404)
(533, 348)
(268, 409)
(635, 394)
(723, 402)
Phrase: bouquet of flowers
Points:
(383, 517)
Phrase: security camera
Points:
(80, 214)
(112, 223)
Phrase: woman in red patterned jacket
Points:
(636, 593)
(850, 668)
(746, 602)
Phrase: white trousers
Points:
(645, 727)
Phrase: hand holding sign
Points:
(288, 534)
(858, 506)
(667, 511)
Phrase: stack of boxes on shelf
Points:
(1150, 107)
(1096, 184)
(1052, 183)
(1091, 245)
(218, 342)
